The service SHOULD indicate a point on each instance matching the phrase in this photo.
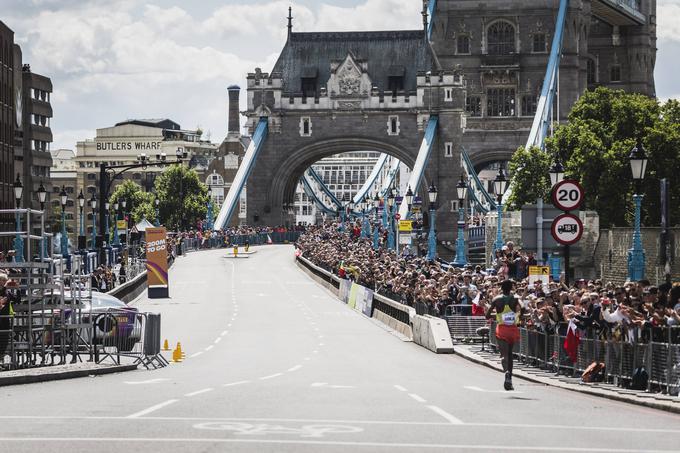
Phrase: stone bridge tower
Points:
(355, 91)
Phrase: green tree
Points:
(183, 197)
(594, 146)
(529, 168)
(136, 199)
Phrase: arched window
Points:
(500, 38)
(214, 180)
(591, 71)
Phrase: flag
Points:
(572, 341)
(269, 239)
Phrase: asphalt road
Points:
(275, 363)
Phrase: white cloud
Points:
(668, 27)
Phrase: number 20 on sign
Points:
(567, 195)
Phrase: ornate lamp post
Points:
(42, 197)
(116, 238)
(18, 241)
(93, 205)
(209, 213)
(81, 231)
(107, 207)
(390, 227)
(500, 185)
(432, 236)
(376, 223)
(408, 198)
(63, 199)
(461, 190)
(366, 230)
(556, 173)
(123, 204)
(636, 255)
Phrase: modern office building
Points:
(8, 121)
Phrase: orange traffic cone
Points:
(166, 346)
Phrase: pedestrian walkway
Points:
(488, 358)
(57, 372)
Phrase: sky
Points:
(112, 60)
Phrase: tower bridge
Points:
(495, 77)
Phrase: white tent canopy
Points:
(143, 225)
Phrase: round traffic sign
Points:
(567, 229)
(397, 216)
(567, 195)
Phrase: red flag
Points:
(572, 341)
(269, 239)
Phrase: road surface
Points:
(275, 363)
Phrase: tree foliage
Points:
(183, 197)
(529, 168)
(136, 200)
(594, 146)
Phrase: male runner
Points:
(507, 310)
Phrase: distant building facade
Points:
(123, 143)
(63, 175)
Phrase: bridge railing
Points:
(476, 237)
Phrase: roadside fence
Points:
(652, 352)
(193, 244)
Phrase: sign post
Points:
(157, 263)
(567, 228)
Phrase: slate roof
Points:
(161, 123)
(385, 52)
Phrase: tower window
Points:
(539, 43)
(305, 126)
(615, 73)
(395, 84)
(393, 125)
(528, 105)
(473, 105)
(448, 94)
(591, 71)
(448, 149)
(501, 38)
(500, 102)
(463, 45)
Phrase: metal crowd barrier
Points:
(193, 244)
(622, 356)
(464, 328)
(127, 333)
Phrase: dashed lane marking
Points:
(271, 376)
(295, 368)
(417, 398)
(218, 339)
(198, 392)
(231, 384)
(453, 420)
(210, 347)
(152, 409)
(196, 354)
(400, 388)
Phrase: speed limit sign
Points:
(567, 195)
(567, 229)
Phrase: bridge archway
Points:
(287, 175)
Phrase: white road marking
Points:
(325, 384)
(321, 344)
(400, 388)
(271, 376)
(199, 392)
(479, 389)
(150, 381)
(307, 358)
(295, 368)
(229, 325)
(224, 333)
(231, 384)
(152, 409)
(196, 354)
(210, 347)
(209, 440)
(453, 420)
(315, 352)
(417, 398)
(218, 339)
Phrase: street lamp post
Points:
(636, 255)
(107, 207)
(556, 173)
(432, 236)
(500, 185)
(376, 223)
(366, 230)
(42, 197)
(116, 238)
(390, 226)
(18, 241)
(461, 189)
(81, 231)
(209, 213)
(63, 199)
(93, 205)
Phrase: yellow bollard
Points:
(247, 247)
(235, 251)
(166, 346)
